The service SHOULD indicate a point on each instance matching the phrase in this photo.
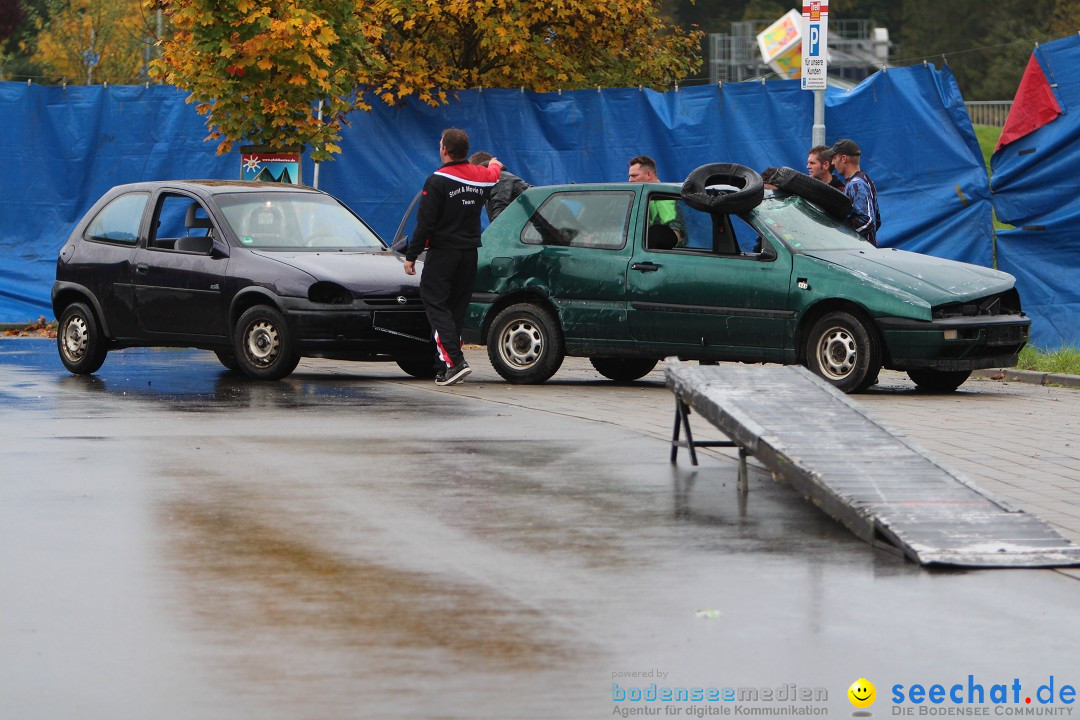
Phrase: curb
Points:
(1031, 377)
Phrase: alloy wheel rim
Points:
(262, 343)
(837, 353)
(522, 344)
(76, 338)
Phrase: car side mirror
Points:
(219, 250)
(767, 253)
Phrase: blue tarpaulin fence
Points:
(67, 146)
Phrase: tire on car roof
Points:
(828, 198)
(748, 194)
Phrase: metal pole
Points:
(315, 177)
(817, 135)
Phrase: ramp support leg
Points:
(682, 424)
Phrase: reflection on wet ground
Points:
(176, 542)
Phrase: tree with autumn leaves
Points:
(256, 69)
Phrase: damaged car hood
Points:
(935, 280)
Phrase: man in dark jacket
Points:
(506, 189)
(865, 217)
(448, 227)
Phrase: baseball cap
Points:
(844, 147)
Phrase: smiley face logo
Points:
(862, 693)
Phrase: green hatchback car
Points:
(626, 274)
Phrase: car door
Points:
(581, 241)
(716, 289)
(103, 263)
(180, 273)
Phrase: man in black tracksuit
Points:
(448, 227)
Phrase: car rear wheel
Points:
(264, 349)
(227, 359)
(525, 345)
(938, 380)
(844, 351)
(623, 369)
(80, 340)
(418, 367)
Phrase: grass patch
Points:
(988, 136)
(1063, 361)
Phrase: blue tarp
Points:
(68, 146)
(1037, 188)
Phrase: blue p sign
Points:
(815, 40)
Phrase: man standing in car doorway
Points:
(448, 227)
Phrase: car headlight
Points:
(329, 293)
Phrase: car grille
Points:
(1006, 303)
(394, 301)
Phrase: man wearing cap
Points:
(865, 217)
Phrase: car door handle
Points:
(645, 267)
(142, 268)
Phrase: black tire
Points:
(525, 344)
(828, 198)
(844, 351)
(623, 369)
(695, 189)
(263, 347)
(418, 367)
(79, 340)
(938, 380)
(227, 360)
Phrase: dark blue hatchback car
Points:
(259, 273)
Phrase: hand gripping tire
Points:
(696, 193)
(828, 198)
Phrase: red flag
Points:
(1033, 106)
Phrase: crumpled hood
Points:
(364, 273)
(935, 280)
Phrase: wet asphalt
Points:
(178, 542)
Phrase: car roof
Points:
(581, 187)
(215, 187)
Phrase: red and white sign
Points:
(815, 44)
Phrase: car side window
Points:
(177, 219)
(595, 219)
(119, 221)
(686, 230)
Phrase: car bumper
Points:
(970, 343)
(330, 329)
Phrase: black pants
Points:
(446, 286)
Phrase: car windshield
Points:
(294, 220)
(801, 225)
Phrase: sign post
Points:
(815, 54)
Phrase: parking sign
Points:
(815, 47)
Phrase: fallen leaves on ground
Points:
(41, 328)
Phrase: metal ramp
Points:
(883, 487)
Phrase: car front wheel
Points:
(525, 345)
(623, 369)
(844, 351)
(938, 380)
(80, 340)
(263, 348)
